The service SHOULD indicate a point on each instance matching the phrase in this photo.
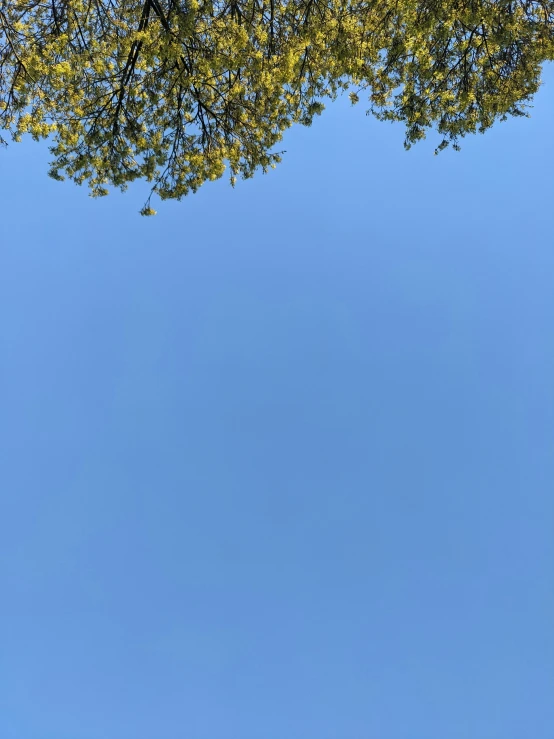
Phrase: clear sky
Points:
(279, 462)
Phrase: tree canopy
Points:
(178, 91)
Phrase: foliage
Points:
(176, 91)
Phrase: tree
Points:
(176, 91)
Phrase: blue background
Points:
(279, 462)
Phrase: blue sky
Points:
(279, 462)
